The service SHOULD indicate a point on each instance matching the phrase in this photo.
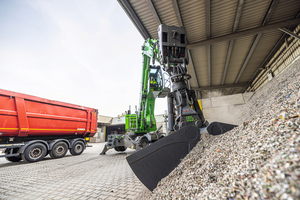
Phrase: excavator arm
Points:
(185, 118)
(152, 87)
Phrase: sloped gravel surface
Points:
(259, 159)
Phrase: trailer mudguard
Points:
(23, 148)
(157, 160)
(76, 139)
(53, 142)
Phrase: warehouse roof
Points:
(229, 41)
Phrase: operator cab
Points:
(156, 80)
(157, 86)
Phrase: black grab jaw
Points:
(157, 160)
(218, 128)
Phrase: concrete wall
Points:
(103, 121)
(225, 108)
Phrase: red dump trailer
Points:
(33, 127)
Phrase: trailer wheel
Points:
(34, 152)
(59, 150)
(120, 148)
(77, 148)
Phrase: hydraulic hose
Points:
(180, 101)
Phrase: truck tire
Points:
(120, 148)
(77, 148)
(144, 142)
(34, 152)
(14, 159)
(59, 150)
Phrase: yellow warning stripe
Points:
(37, 129)
(9, 128)
(200, 105)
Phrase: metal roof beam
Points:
(207, 15)
(280, 42)
(193, 68)
(154, 12)
(245, 33)
(208, 49)
(179, 19)
(252, 48)
(270, 12)
(134, 18)
(177, 12)
(220, 86)
(267, 59)
(290, 33)
(256, 40)
(208, 64)
(229, 51)
(286, 43)
(238, 13)
(271, 53)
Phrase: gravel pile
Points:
(259, 159)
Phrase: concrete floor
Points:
(87, 176)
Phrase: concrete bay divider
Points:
(225, 109)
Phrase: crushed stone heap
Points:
(259, 159)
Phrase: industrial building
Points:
(116, 125)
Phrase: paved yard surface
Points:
(88, 176)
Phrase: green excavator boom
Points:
(152, 85)
(185, 118)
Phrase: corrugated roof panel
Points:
(285, 9)
(253, 14)
(264, 46)
(193, 17)
(200, 63)
(143, 11)
(222, 17)
(218, 58)
(166, 12)
(240, 50)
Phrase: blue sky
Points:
(81, 52)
